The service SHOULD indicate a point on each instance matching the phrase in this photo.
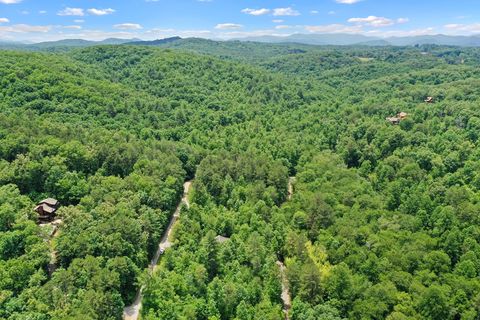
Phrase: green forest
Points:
(293, 164)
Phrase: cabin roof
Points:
(50, 201)
(221, 239)
(46, 208)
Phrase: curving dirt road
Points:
(55, 225)
(133, 311)
(286, 298)
(291, 181)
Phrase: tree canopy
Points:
(382, 224)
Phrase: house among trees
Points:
(399, 117)
(402, 115)
(221, 239)
(46, 209)
(393, 120)
(429, 100)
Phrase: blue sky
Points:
(41, 20)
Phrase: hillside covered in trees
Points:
(383, 221)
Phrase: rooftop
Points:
(45, 208)
(50, 201)
(221, 239)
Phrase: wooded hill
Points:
(383, 222)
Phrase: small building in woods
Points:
(393, 120)
(430, 100)
(221, 239)
(399, 117)
(402, 115)
(46, 209)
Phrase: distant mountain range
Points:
(343, 39)
(61, 44)
(154, 42)
(357, 39)
(82, 43)
(336, 39)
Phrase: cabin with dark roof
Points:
(50, 201)
(46, 209)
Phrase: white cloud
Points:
(256, 12)
(285, 12)
(74, 27)
(128, 26)
(283, 27)
(24, 28)
(314, 12)
(228, 26)
(71, 12)
(331, 12)
(242, 34)
(42, 11)
(79, 21)
(4, 20)
(100, 12)
(463, 28)
(10, 1)
(157, 33)
(334, 28)
(373, 21)
(348, 1)
(193, 33)
(277, 21)
(276, 12)
(158, 30)
(401, 33)
(455, 26)
(402, 20)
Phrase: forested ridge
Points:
(383, 222)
